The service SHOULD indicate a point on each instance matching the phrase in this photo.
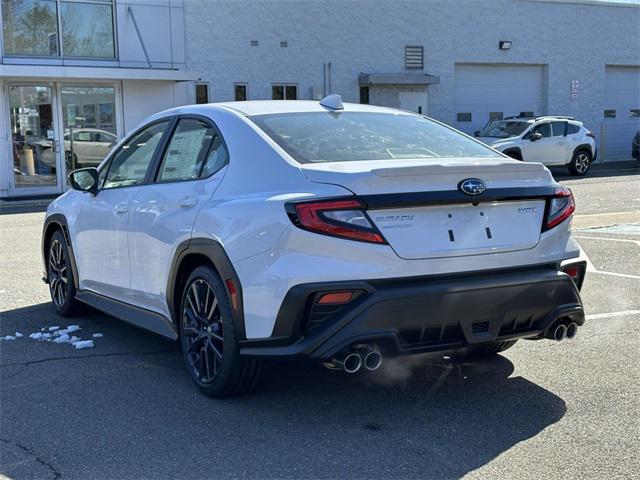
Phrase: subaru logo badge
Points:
(472, 186)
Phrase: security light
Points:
(504, 44)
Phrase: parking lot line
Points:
(637, 242)
(623, 313)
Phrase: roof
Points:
(266, 107)
(397, 79)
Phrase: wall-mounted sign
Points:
(575, 86)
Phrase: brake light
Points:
(576, 271)
(561, 207)
(337, 218)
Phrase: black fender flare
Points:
(583, 146)
(215, 253)
(57, 221)
(514, 150)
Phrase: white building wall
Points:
(574, 41)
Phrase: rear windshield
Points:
(350, 136)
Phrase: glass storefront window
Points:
(89, 124)
(32, 27)
(32, 136)
(87, 30)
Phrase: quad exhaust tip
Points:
(351, 362)
(373, 360)
(572, 330)
(560, 332)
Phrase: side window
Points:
(217, 158)
(544, 129)
(558, 128)
(187, 151)
(571, 128)
(130, 163)
(82, 136)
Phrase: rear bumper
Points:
(422, 314)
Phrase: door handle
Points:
(187, 202)
(121, 208)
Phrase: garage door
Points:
(496, 91)
(621, 111)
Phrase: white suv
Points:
(314, 231)
(551, 140)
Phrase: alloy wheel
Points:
(58, 273)
(202, 331)
(582, 163)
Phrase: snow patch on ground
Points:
(83, 344)
(58, 335)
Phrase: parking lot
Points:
(127, 409)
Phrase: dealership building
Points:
(76, 75)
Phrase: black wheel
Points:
(580, 163)
(209, 343)
(60, 277)
(490, 349)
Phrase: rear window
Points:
(351, 136)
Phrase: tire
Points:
(490, 349)
(60, 276)
(580, 163)
(209, 341)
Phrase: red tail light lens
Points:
(338, 218)
(561, 207)
(335, 298)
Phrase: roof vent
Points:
(333, 101)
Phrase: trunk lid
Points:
(419, 210)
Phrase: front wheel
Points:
(60, 276)
(490, 349)
(580, 163)
(208, 337)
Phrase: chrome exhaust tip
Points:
(373, 360)
(352, 363)
(560, 332)
(572, 330)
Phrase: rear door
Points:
(163, 213)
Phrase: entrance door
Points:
(35, 150)
(414, 102)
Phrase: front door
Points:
(550, 149)
(414, 102)
(100, 229)
(35, 150)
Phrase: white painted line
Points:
(622, 313)
(637, 242)
(605, 214)
(614, 274)
(592, 268)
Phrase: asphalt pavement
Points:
(126, 409)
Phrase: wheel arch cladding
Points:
(195, 253)
(53, 223)
(584, 146)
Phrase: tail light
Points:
(590, 134)
(337, 218)
(561, 206)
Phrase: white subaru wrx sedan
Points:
(315, 231)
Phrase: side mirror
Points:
(476, 133)
(535, 136)
(85, 180)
